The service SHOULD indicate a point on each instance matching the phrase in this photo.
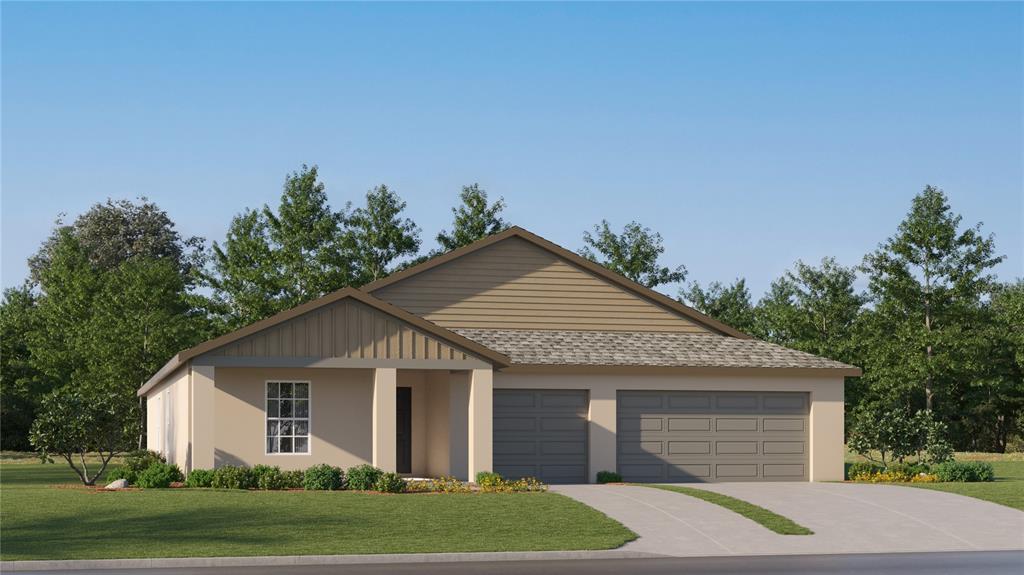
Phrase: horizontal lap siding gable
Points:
(346, 329)
(515, 284)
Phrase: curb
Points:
(297, 560)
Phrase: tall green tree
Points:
(993, 402)
(474, 219)
(118, 230)
(633, 253)
(813, 309)
(273, 260)
(922, 337)
(729, 304)
(20, 388)
(378, 234)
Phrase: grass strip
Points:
(760, 515)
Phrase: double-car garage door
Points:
(712, 436)
(662, 436)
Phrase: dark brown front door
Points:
(403, 414)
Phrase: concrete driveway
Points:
(845, 518)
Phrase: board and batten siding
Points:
(515, 284)
(346, 329)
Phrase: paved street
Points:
(988, 563)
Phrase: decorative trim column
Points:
(385, 425)
(481, 430)
(602, 429)
(201, 420)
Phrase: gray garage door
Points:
(712, 436)
(541, 433)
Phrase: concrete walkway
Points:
(845, 518)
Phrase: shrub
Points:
(199, 478)
(500, 485)
(122, 473)
(450, 485)
(323, 477)
(608, 477)
(268, 477)
(159, 475)
(965, 471)
(861, 468)
(894, 434)
(232, 477)
(363, 477)
(909, 469)
(293, 478)
(390, 483)
(488, 479)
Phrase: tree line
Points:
(115, 293)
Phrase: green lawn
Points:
(760, 515)
(43, 515)
(1007, 489)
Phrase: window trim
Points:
(309, 418)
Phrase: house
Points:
(511, 354)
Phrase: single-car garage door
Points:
(541, 433)
(676, 436)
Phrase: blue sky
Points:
(749, 135)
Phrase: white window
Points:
(287, 417)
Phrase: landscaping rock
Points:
(117, 484)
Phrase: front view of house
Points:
(513, 355)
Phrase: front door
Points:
(403, 415)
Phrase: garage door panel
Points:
(514, 424)
(755, 437)
(779, 424)
(542, 434)
(689, 424)
(689, 447)
(783, 447)
(735, 401)
(784, 471)
(689, 401)
(515, 448)
(736, 447)
(691, 472)
(736, 424)
(636, 447)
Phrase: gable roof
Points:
(631, 286)
(182, 357)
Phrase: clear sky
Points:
(749, 135)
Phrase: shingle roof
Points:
(661, 349)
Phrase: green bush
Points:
(608, 477)
(323, 477)
(862, 468)
(909, 469)
(121, 473)
(363, 477)
(965, 471)
(159, 476)
(488, 479)
(293, 478)
(199, 478)
(390, 483)
(233, 477)
(135, 462)
(268, 477)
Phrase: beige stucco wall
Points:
(437, 407)
(826, 417)
(341, 402)
(160, 420)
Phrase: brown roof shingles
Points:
(658, 349)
